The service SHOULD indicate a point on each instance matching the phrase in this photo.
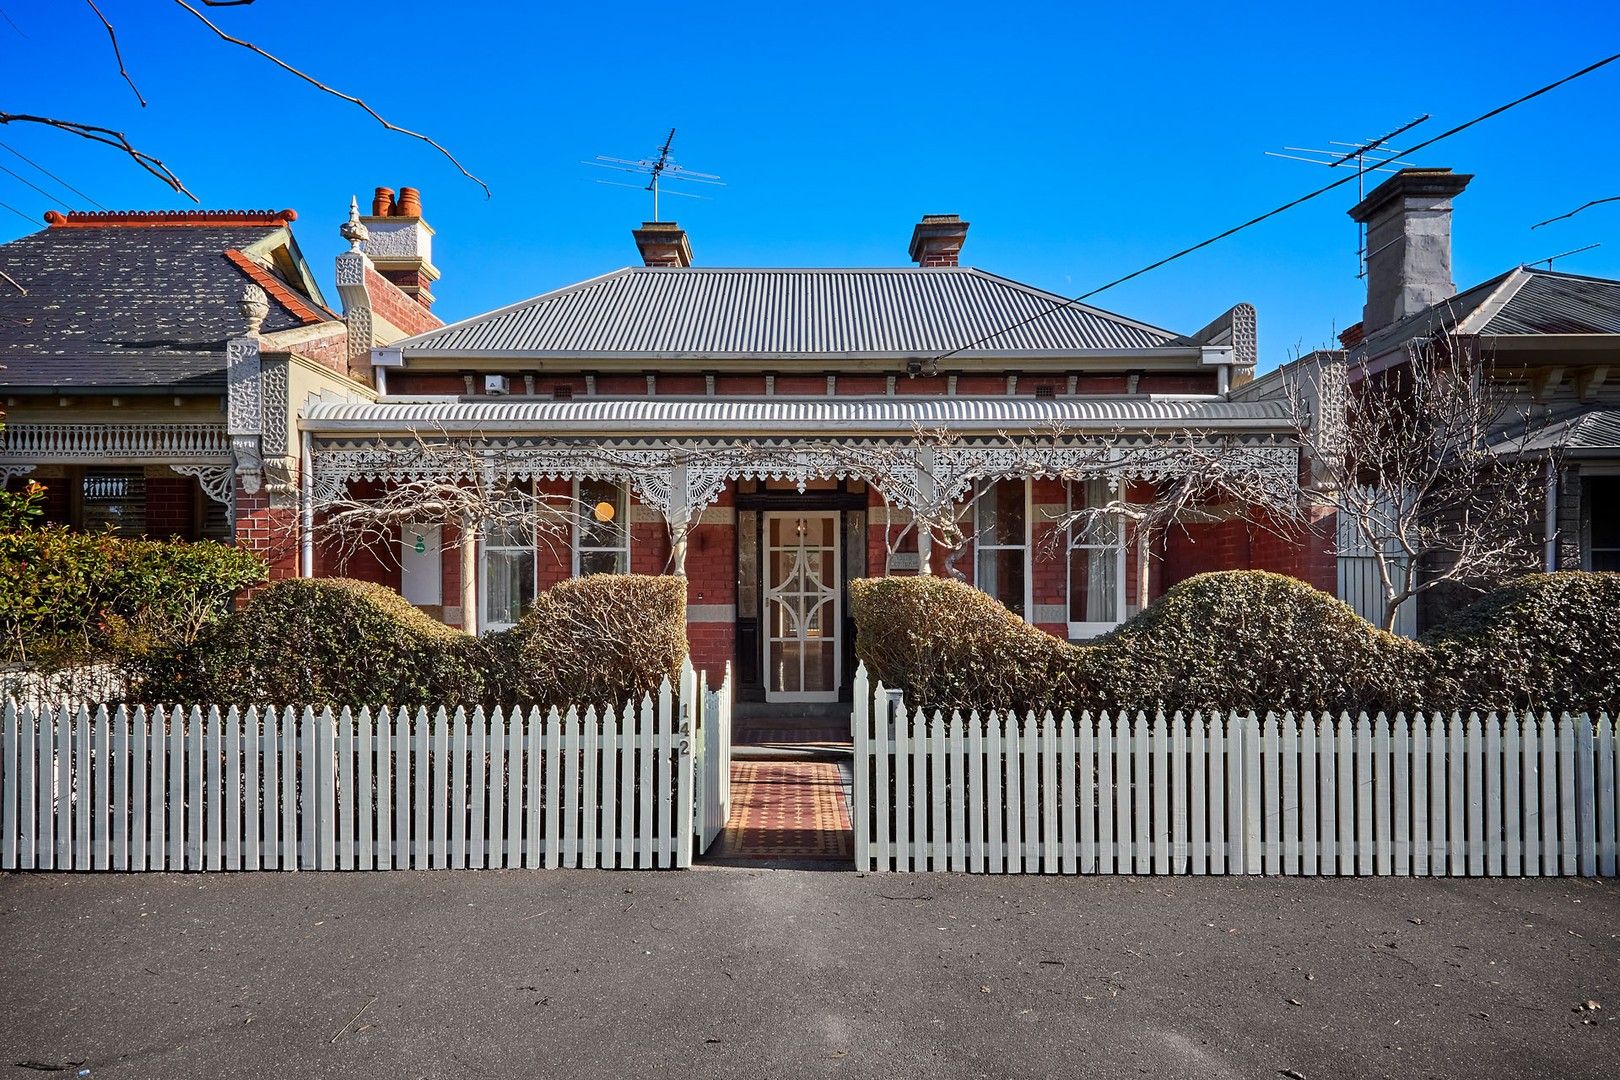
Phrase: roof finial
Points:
(255, 306)
(354, 230)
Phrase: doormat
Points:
(787, 810)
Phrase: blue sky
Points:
(1080, 144)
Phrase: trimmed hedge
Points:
(69, 598)
(599, 639)
(336, 641)
(1247, 639)
(1545, 641)
(950, 645)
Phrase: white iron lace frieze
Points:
(893, 467)
(957, 468)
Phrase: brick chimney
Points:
(400, 243)
(1408, 220)
(937, 240)
(663, 243)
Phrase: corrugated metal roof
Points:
(1554, 303)
(1596, 431)
(1521, 301)
(701, 312)
(894, 415)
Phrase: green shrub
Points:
(1543, 641)
(322, 641)
(1248, 639)
(598, 639)
(1237, 639)
(69, 598)
(595, 640)
(948, 645)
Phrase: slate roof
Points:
(845, 414)
(704, 312)
(1521, 301)
(129, 306)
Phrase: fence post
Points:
(1585, 796)
(683, 773)
(860, 721)
(1251, 793)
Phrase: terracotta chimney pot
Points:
(410, 203)
(382, 202)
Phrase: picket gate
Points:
(280, 788)
(712, 764)
(1492, 794)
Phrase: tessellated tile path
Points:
(787, 810)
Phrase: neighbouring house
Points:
(1549, 340)
(130, 388)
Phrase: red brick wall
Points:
(397, 308)
(681, 385)
(426, 382)
(273, 533)
(739, 385)
(171, 507)
(1049, 578)
(981, 385)
(1154, 382)
(862, 384)
(622, 385)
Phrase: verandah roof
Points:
(789, 416)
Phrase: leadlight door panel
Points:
(802, 615)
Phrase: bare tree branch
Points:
(107, 137)
(1423, 464)
(276, 60)
(117, 52)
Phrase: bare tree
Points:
(1426, 463)
(119, 141)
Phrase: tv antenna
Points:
(1371, 155)
(656, 169)
(1573, 251)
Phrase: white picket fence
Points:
(207, 788)
(713, 761)
(1232, 793)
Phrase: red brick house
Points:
(769, 433)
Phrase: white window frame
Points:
(1089, 629)
(979, 492)
(623, 510)
(486, 624)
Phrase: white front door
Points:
(802, 606)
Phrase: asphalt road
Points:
(760, 973)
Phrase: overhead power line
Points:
(1284, 208)
(18, 212)
(13, 150)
